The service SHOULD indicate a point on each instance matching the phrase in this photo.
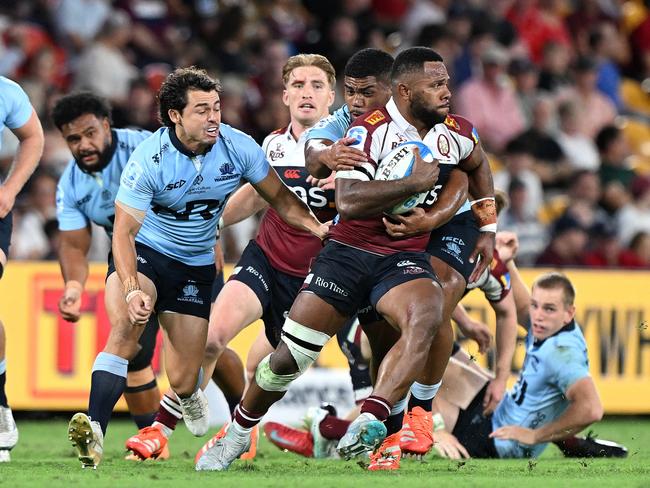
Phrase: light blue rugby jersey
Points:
(15, 107)
(183, 193)
(538, 397)
(82, 197)
(334, 128)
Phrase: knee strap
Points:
(304, 344)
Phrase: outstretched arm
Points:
(244, 203)
(323, 156)
(289, 205)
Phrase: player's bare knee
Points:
(281, 360)
(214, 348)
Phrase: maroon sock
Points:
(332, 427)
(379, 407)
(169, 412)
(245, 418)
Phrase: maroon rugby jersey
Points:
(378, 133)
(291, 250)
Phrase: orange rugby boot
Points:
(417, 432)
(388, 456)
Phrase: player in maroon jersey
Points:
(362, 262)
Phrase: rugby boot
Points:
(149, 443)
(87, 438)
(225, 450)
(8, 433)
(196, 413)
(417, 432)
(590, 447)
(290, 439)
(364, 435)
(248, 455)
(388, 456)
(322, 447)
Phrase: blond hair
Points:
(300, 60)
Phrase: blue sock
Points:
(106, 388)
(3, 379)
(144, 420)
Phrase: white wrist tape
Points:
(133, 293)
(488, 228)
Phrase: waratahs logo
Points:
(227, 168)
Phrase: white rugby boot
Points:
(196, 413)
(221, 455)
(8, 433)
(323, 448)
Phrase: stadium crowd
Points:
(558, 90)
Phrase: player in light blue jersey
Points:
(86, 193)
(16, 113)
(171, 196)
(554, 398)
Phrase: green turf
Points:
(43, 457)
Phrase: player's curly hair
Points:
(173, 92)
(412, 60)
(74, 105)
(370, 62)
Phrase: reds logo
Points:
(292, 174)
(443, 145)
(276, 153)
(451, 122)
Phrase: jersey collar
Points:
(180, 147)
(567, 328)
(403, 124)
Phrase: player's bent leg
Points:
(416, 308)
(184, 344)
(260, 348)
(236, 307)
(311, 322)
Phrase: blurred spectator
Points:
(639, 251)
(609, 51)
(490, 102)
(554, 72)
(550, 163)
(39, 80)
(635, 216)
(468, 64)
(29, 240)
(614, 156)
(519, 164)
(141, 110)
(585, 16)
(607, 251)
(597, 110)
(580, 151)
(567, 246)
(538, 22)
(525, 78)
(421, 13)
(516, 218)
(103, 67)
(74, 31)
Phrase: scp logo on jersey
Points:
(359, 135)
(176, 184)
(131, 175)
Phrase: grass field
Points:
(44, 457)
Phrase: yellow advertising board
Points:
(49, 360)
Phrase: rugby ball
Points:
(398, 164)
